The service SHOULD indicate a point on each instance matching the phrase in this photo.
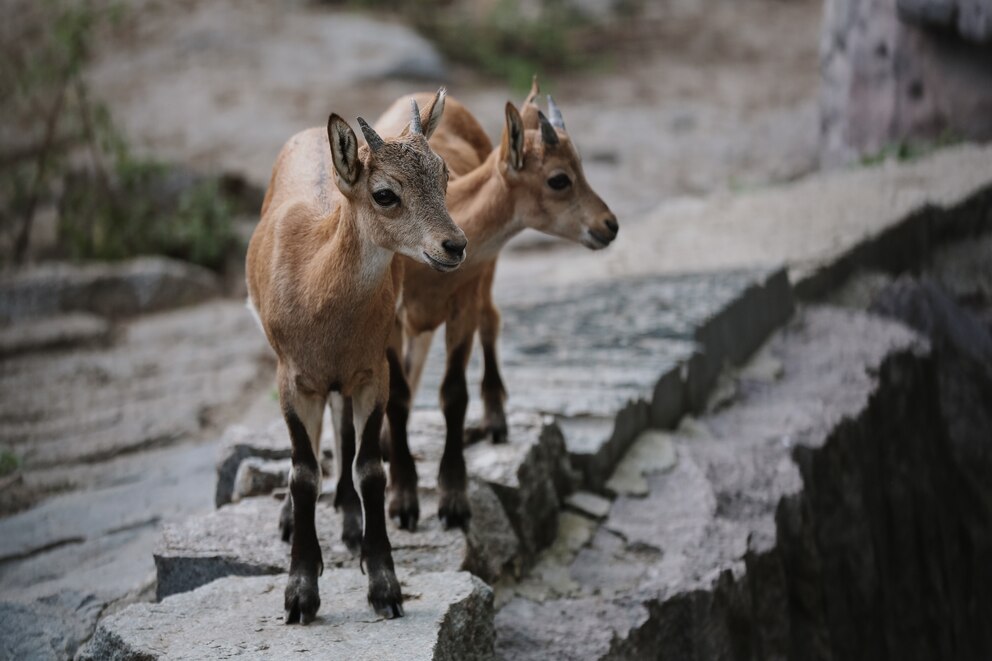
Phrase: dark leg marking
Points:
(384, 595)
(452, 479)
(306, 563)
(286, 519)
(493, 395)
(345, 497)
(403, 503)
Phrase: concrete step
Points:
(448, 618)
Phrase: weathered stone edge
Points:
(902, 246)
(727, 338)
(772, 603)
(480, 626)
(178, 574)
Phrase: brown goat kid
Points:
(324, 282)
(533, 179)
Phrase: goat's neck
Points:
(348, 256)
(482, 204)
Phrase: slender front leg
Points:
(302, 412)
(370, 477)
(452, 479)
(403, 503)
(346, 498)
(493, 392)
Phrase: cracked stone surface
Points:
(448, 617)
(123, 398)
(515, 495)
(243, 540)
(635, 349)
(710, 505)
(117, 446)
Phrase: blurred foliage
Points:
(911, 150)
(145, 212)
(503, 39)
(67, 152)
(9, 462)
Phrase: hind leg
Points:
(370, 477)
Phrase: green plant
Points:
(9, 462)
(46, 104)
(910, 150)
(116, 204)
(504, 41)
(509, 44)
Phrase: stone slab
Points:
(136, 286)
(243, 540)
(448, 617)
(270, 442)
(609, 359)
(164, 378)
(590, 504)
(530, 473)
(59, 332)
(687, 543)
(47, 629)
(260, 477)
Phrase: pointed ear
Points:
(430, 118)
(511, 148)
(530, 109)
(344, 151)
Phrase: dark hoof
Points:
(403, 505)
(453, 510)
(499, 434)
(385, 596)
(302, 599)
(286, 519)
(351, 530)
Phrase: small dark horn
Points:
(547, 131)
(535, 89)
(415, 126)
(371, 137)
(556, 118)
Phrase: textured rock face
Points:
(64, 331)
(826, 512)
(515, 496)
(639, 351)
(264, 447)
(243, 540)
(971, 19)
(885, 81)
(146, 284)
(448, 618)
(50, 628)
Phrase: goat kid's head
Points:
(540, 161)
(397, 187)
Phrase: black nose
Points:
(455, 248)
(611, 223)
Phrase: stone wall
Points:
(903, 72)
(883, 555)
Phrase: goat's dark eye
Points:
(560, 182)
(385, 197)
